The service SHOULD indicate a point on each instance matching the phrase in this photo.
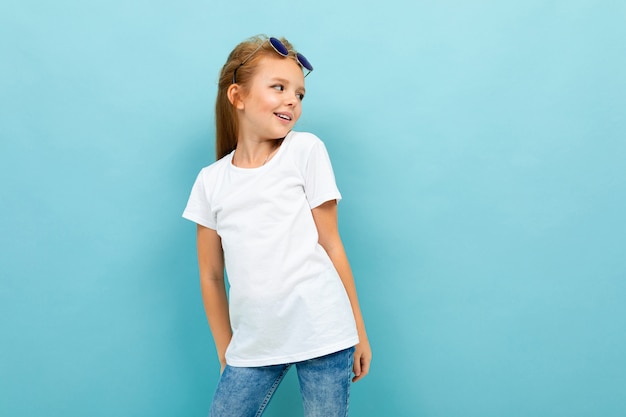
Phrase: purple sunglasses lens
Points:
(279, 47)
(282, 50)
(304, 62)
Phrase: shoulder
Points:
(216, 167)
(303, 142)
(304, 138)
(210, 177)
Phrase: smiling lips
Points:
(284, 116)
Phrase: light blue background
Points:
(479, 146)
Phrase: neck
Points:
(255, 154)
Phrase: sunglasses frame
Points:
(281, 50)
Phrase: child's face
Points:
(274, 101)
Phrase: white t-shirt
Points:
(287, 302)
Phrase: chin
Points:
(279, 134)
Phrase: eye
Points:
(278, 87)
(300, 96)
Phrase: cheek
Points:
(271, 100)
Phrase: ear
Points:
(234, 96)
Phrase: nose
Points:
(291, 100)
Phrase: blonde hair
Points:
(226, 123)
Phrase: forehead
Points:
(278, 67)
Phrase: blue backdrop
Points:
(479, 146)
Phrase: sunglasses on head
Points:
(281, 50)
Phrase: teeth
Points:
(283, 116)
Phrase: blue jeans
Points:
(324, 385)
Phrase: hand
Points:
(362, 359)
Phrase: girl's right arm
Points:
(211, 265)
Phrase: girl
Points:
(266, 212)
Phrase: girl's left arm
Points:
(325, 217)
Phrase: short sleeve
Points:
(319, 181)
(198, 208)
